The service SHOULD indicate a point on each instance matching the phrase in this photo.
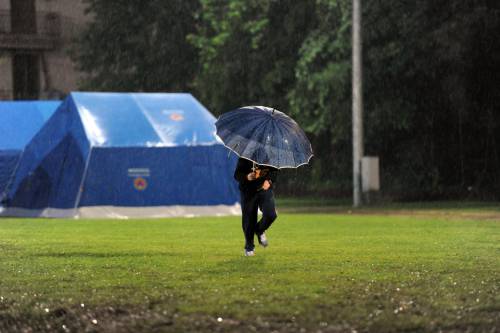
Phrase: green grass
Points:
(328, 272)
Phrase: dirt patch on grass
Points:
(131, 319)
(156, 318)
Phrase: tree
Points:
(138, 45)
(422, 100)
(321, 97)
(248, 50)
(428, 95)
(430, 78)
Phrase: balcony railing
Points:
(47, 36)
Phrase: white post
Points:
(357, 101)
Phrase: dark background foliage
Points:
(431, 78)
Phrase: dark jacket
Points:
(244, 167)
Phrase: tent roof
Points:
(144, 119)
(21, 120)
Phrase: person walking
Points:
(266, 140)
(256, 183)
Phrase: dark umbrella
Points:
(265, 136)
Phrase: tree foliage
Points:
(431, 73)
(248, 50)
(138, 45)
(429, 95)
(320, 98)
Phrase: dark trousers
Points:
(250, 203)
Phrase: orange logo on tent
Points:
(140, 184)
(176, 117)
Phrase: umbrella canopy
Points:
(265, 136)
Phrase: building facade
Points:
(35, 37)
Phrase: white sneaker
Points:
(249, 253)
(263, 240)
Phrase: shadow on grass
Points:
(240, 264)
(96, 255)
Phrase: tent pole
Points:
(80, 188)
(12, 177)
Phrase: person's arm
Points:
(243, 169)
(270, 178)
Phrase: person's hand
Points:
(266, 185)
(251, 176)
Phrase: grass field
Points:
(399, 270)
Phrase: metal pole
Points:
(357, 101)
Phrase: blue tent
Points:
(19, 122)
(125, 155)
